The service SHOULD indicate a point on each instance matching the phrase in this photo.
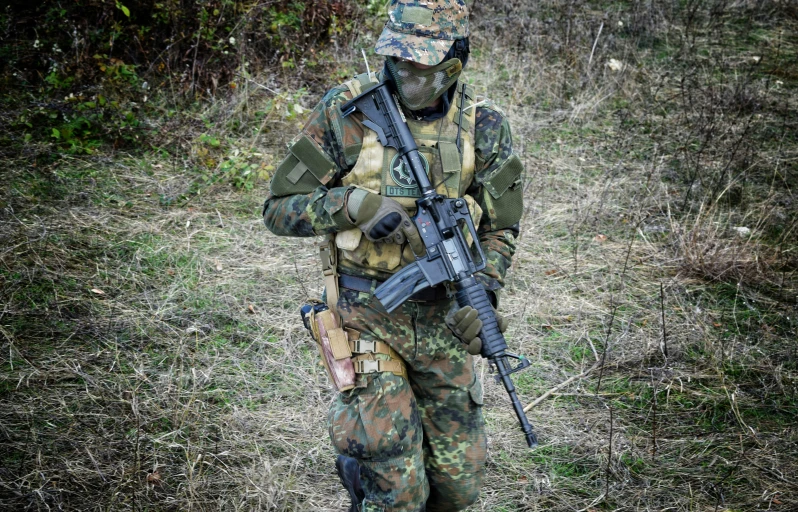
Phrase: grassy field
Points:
(151, 353)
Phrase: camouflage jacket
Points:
(316, 206)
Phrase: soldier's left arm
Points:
(305, 196)
(498, 188)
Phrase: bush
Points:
(79, 74)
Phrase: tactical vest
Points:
(379, 170)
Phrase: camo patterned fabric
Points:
(418, 441)
(423, 31)
(321, 211)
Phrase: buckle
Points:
(326, 259)
(365, 346)
(368, 366)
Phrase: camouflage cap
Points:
(423, 30)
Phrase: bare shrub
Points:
(151, 355)
(197, 46)
(711, 247)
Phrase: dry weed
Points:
(152, 355)
(710, 248)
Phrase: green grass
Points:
(562, 462)
(170, 369)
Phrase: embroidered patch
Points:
(401, 175)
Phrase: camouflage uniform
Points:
(420, 440)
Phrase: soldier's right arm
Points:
(304, 199)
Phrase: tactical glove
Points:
(382, 219)
(465, 324)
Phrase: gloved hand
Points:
(465, 324)
(382, 219)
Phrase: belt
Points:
(363, 284)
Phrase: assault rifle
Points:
(441, 223)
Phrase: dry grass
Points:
(152, 358)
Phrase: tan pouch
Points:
(334, 347)
(348, 240)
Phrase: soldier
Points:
(410, 433)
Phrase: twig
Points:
(169, 47)
(474, 105)
(194, 64)
(592, 347)
(654, 420)
(302, 284)
(12, 348)
(662, 313)
(584, 395)
(368, 71)
(595, 43)
(606, 347)
(559, 387)
(96, 466)
(609, 460)
(248, 79)
(615, 306)
(770, 471)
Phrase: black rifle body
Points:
(441, 222)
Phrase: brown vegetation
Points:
(151, 353)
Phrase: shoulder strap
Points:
(464, 99)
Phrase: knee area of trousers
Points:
(447, 495)
(379, 422)
(396, 485)
(467, 496)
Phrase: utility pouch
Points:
(505, 193)
(333, 343)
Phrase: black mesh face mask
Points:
(419, 88)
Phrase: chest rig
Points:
(379, 170)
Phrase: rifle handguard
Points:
(469, 292)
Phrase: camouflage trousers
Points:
(420, 442)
